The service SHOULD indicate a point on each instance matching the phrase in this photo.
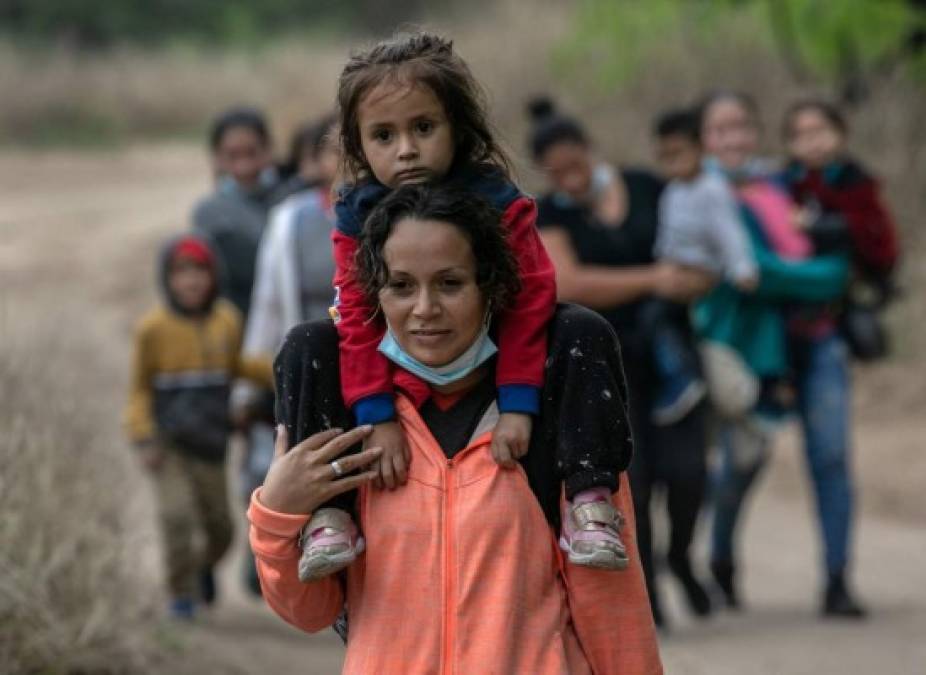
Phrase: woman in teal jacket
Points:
(753, 323)
(784, 328)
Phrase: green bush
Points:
(843, 42)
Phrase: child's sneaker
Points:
(330, 542)
(677, 397)
(591, 531)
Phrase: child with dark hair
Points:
(241, 118)
(177, 415)
(699, 227)
(234, 215)
(411, 112)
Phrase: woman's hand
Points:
(681, 284)
(301, 480)
(392, 467)
(511, 438)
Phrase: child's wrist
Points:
(375, 409)
(519, 398)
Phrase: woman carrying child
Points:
(843, 210)
(785, 328)
(600, 226)
(461, 571)
(411, 113)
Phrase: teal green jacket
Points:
(753, 323)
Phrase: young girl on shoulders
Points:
(412, 112)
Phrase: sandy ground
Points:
(82, 229)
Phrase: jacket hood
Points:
(163, 268)
(355, 201)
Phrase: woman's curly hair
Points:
(496, 266)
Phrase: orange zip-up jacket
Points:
(462, 575)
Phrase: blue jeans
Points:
(824, 396)
(673, 352)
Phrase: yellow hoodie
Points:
(181, 372)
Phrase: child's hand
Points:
(392, 466)
(511, 438)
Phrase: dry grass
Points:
(81, 582)
(73, 565)
(65, 96)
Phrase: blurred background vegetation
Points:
(91, 72)
(102, 24)
(846, 43)
(103, 70)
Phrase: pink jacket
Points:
(462, 575)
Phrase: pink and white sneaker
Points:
(591, 531)
(330, 541)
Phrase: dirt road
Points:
(83, 228)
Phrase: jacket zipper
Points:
(449, 589)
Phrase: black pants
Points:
(673, 458)
(581, 437)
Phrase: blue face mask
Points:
(267, 179)
(752, 169)
(602, 179)
(478, 353)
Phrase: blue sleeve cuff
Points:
(375, 409)
(519, 398)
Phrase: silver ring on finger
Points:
(337, 468)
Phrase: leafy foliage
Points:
(835, 41)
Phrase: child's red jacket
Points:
(847, 189)
(366, 375)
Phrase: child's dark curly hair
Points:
(476, 219)
(429, 60)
